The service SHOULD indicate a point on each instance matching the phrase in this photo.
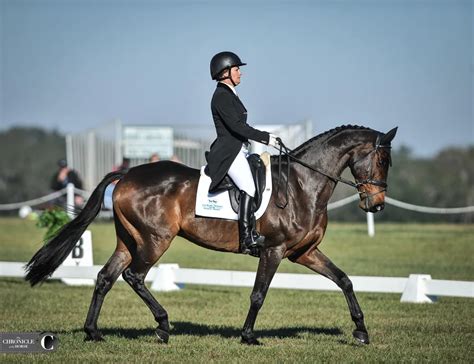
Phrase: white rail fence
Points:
(331, 206)
(417, 288)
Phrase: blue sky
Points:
(73, 65)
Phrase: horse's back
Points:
(163, 178)
(157, 172)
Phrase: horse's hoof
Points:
(250, 341)
(94, 337)
(162, 336)
(361, 336)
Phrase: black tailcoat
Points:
(230, 119)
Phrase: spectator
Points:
(66, 175)
(124, 167)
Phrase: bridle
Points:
(284, 150)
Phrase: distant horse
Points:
(155, 202)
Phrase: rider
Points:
(229, 151)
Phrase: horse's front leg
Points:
(318, 262)
(270, 259)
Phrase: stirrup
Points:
(253, 239)
(257, 238)
(252, 244)
(252, 250)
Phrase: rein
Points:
(287, 151)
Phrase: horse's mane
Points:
(328, 134)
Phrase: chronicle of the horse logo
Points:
(28, 342)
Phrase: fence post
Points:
(69, 153)
(91, 156)
(118, 142)
(165, 278)
(370, 224)
(415, 289)
(70, 205)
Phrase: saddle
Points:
(258, 169)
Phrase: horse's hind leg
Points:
(143, 259)
(318, 262)
(136, 279)
(105, 280)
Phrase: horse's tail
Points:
(52, 254)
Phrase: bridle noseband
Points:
(357, 184)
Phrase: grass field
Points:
(294, 326)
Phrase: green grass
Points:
(294, 326)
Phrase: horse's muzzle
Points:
(369, 204)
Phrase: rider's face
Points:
(235, 74)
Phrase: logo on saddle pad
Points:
(224, 205)
(213, 205)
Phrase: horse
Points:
(155, 202)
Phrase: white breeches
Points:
(240, 172)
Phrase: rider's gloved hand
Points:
(273, 141)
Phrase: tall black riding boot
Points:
(249, 238)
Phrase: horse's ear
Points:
(387, 138)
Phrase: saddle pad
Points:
(217, 205)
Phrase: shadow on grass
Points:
(193, 329)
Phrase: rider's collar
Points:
(230, 86)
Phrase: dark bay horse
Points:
(155, 202)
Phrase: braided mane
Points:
(328, 133)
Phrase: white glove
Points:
(273, 142)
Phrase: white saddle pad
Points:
(217, 205)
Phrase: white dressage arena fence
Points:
(417, 288)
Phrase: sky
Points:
(73, 65)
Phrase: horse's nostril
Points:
(375, 208)
(379, 207)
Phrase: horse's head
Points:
(369, 165)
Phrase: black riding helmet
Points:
(222, 61)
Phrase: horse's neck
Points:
(330, 158)
(327, 157)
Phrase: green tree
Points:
(28, 161)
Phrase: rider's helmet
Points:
(222, 61)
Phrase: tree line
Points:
(29, 160)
